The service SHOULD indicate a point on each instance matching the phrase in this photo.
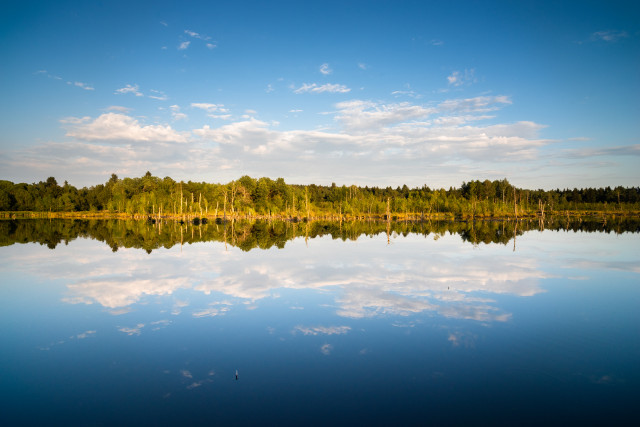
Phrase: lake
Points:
(115, 322)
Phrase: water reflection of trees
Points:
(248, 235)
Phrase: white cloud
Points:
(159, 95)
(120, 127)
(436, 42)
(176, 114)
(295, 111)
(324, 69)
(409, 93)
(74, 120)
(118, 108)
(400, 138)
(207, 39)
(84, 86)
(329, 87)
(134, 89)
(364, 141)
(368, 115)
(197, 35)
(609, 35)
(466, 77)
(209, 108)
(362, 65)
(478, 104)
(46, 73)
(269, 88)
(225, 116)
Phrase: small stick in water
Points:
(236, 374)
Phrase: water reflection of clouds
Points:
(326, 349)
(324, 330)
(414, 275)
(115, 292)
(136, 330)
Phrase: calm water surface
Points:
(416, 329)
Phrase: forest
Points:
(246, 197)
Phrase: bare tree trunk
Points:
(388, 209)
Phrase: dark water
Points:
(337, 324)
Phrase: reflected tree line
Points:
(266, 198)
(252, 234)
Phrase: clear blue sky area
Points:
(544, 93)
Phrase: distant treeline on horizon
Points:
(150, 195)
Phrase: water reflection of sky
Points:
(365, 278)
(444, 314)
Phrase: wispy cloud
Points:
(609, 35)
(84, 86)
(118, 108)
(479, 104)
(176, 114)
(197, 35)
(207, 39)
(315, 88)
(409, 93)
(133, 89)
(436, 42)
(269, 88)
(362, 65)
(47, 74)
(210, 108)
(621, 150)
(325, 69)
(159, 95)
(460, 78)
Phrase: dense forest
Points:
(267, 198)
(263, 234)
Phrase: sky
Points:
(377, 93)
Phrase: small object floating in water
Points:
(236, 374)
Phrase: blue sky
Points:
(353, 92)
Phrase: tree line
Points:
(249, 197)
